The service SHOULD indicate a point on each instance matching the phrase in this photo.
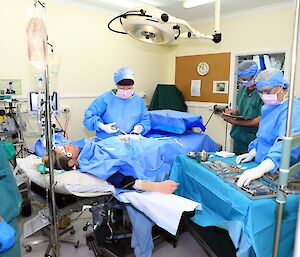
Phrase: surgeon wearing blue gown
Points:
(119, 110)
(266, 148)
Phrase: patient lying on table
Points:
(125, 163)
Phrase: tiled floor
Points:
(186, 247)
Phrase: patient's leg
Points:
(165, 187)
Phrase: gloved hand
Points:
(255, 173)
(108, 128)
(7, 236)
(137, 129)
(246, 157)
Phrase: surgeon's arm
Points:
(252, 144)
(145, 119)
(245, 123)
(93, 114)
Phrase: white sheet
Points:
(69, 182)
(164, 209)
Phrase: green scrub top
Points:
(10, 201)
(249, 105)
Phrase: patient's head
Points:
(64, 157)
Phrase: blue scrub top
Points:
(272, 127)
(109, 108)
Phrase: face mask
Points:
(270, 99)
(247, 83)
(250, 84)
(124, 94)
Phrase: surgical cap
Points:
(270, 78)
(247, 68)
(124, 76)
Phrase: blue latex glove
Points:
(7, 236)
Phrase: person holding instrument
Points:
(266, 149)
(119, 110)
(249, 104)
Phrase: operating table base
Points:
(119, 246)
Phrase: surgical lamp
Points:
(155, 26)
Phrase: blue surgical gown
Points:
(272, 127)
(109, 108)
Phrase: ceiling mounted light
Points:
(149, 31)
(155, 26)
(194, 3)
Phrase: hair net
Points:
(124, 75)
(270, 78)
(247, 68)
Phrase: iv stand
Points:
(54, 239)
(54, 235)
(285, 161)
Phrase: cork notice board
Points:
(219, 69)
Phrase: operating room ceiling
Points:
(174, 7)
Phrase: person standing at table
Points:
(267, 148)
(118, 110)
(248, 105)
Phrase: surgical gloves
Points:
(7, 236)
(137, 129)
(108, 128)
(246, 157)
(255, 173)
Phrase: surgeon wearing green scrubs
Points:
(10, 203)
(249, 106)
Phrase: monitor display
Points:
(34, 101)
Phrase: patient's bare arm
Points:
(165, 187)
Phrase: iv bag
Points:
(37, 38)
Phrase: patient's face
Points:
(68, 148)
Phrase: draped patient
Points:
(115, 161)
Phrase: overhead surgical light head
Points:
(155, 26)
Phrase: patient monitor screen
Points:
(34, 101)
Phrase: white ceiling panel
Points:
(174, 7)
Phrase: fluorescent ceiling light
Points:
(194, 3)
(124, 3)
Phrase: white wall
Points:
(89, 55)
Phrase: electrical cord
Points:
(209, 118)
(73, 220)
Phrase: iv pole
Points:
(285, 160)
(54, 235)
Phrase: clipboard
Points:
(236, 117)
